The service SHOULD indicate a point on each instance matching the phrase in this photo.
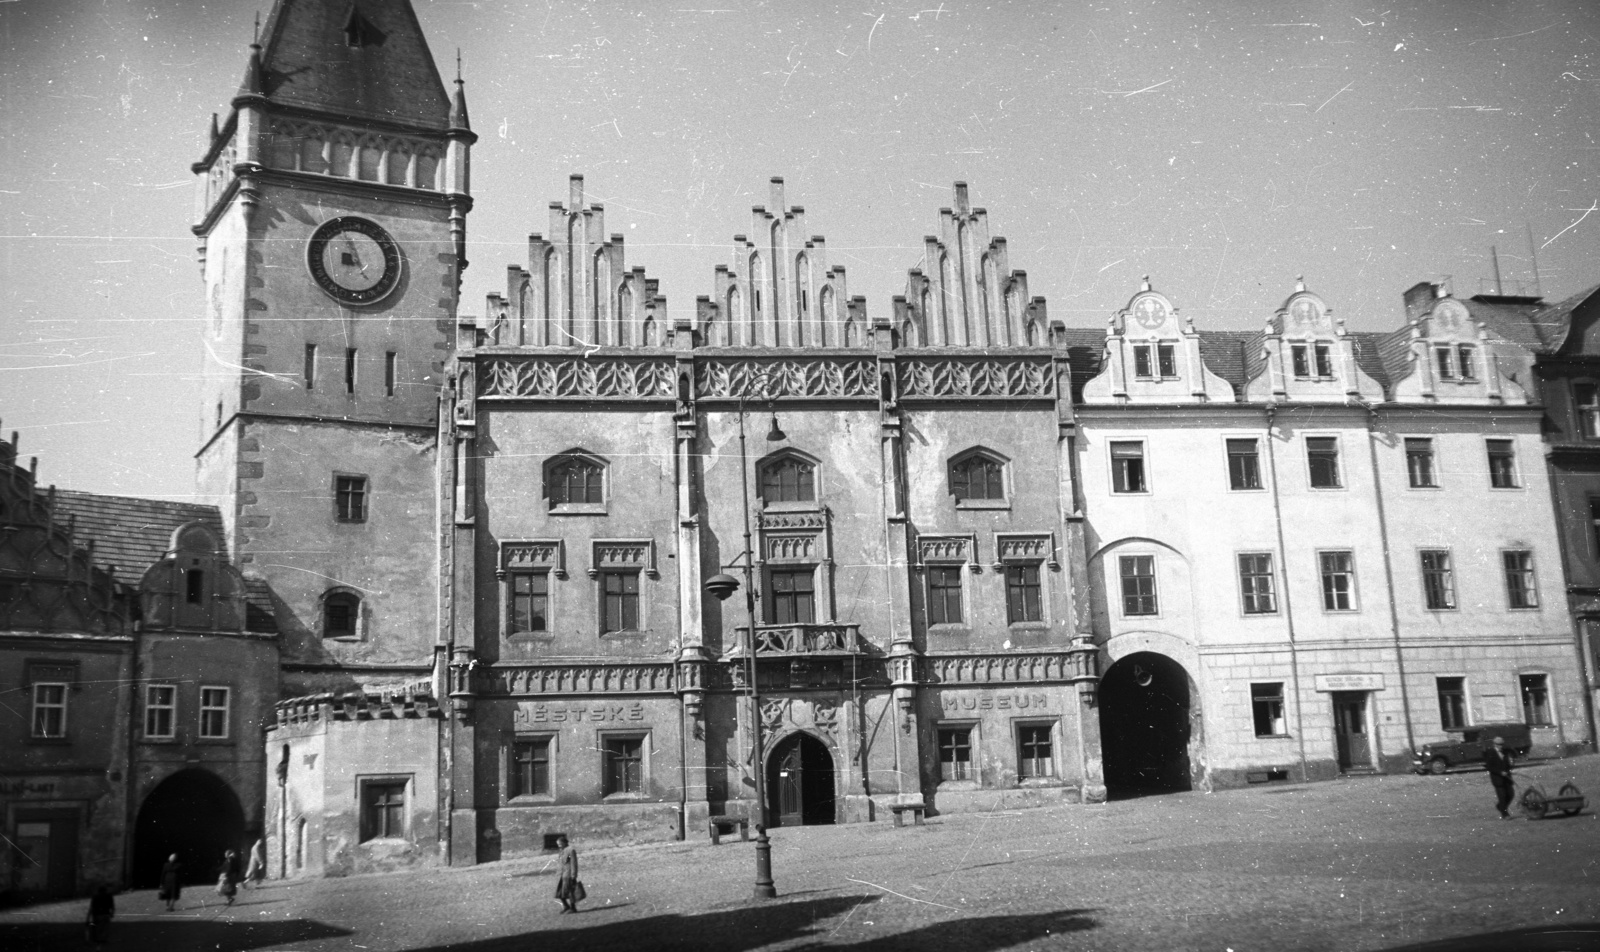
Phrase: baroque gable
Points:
(1307, 356)
(1151, 356)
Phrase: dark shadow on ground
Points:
(755, 925)
(167, 935)
(1573, 937)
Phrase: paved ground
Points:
(1383, 863)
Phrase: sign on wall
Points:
(1349, 682)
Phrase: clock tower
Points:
(332, 226)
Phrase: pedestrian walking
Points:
(171, 888)
(1497, 760)
(256, 871)
(569, 889)
(101, 908)
(228, 879)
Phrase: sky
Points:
(1221, 148)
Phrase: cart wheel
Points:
(1571, 790)
(1533, 802)
(1438, 765)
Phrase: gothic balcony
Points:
(802, 641)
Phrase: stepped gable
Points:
(577, 290)
(362, 59)
(968, 296)
(779, 290)
(51, 578)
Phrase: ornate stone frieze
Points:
(774, 640)
(624, 554)
(534, 555)
(977, 377)
(775, 379)
(619, 378)
(1025, 547)
(1008, 668)
(791, 548)
(820, 714)
(815, 521)
(947, 550)
(638, 678)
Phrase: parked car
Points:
(1467, 748)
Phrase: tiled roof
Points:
(1554, 321)
(388, 75)
(1394, 354)
(1514, 322)
(1226, 353)
(130, 533)
(1367, 357)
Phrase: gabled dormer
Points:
(1444, 356)
(193, 586)
(577, 290)
(968, 296)
(1307, 356)
(779, 290)
(1152, 356)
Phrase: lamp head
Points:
(722, 586)
(775, 435)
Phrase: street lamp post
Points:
(722, 586)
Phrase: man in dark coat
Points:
(1497, 760)
(171, 881)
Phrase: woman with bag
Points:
(569, 890)
(171, 885)
(228, 881)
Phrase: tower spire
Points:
(458, 102)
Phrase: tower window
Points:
(341, 612)
(349, 370)
(194, 584)
(310, 371)
(350, 498)
(388, 373)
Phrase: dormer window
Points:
(1153, 361)
(1456, 362)
(1467, 361)
(1445, 358)
(1312, 361)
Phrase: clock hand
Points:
(355, 255)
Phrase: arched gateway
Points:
(193, 813)
(800, 782)
(1146, 726)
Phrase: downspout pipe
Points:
(1388, 575)
(1288, 611)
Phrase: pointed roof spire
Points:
(255, 79)
(215, 132)
(458, 103)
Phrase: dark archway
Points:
(800, 782)
(1145, 726)
(193, 813)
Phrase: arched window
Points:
(341, 615)
(575, 481)
(978, 475)
(789, 478)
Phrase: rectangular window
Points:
(214, 713)
(1419, 463)
(944, 595)
(1167, 360)
(955, 753)
(1322, 456)
(1535, 699)
(1127, 466)
(1034, 751)
(1338, 581)
(160, 711)
(1301, 356)
(1324, 355)
(530, 768)
(624, 765)
(1445, 359)
(1466, 362)
(350, 498)
(1266, 705)
(530, 601)
(1244, 464)
(1438, 580)
(1502, 464)
(383, 809)
(1138, 584)
(1452, 703)
(1142, 364)
(1255, 583)
(620, 597)
(1586, 397)
(1520, 592)
(1023, 601)
(310, 371)
(349, 370)
(49, 710)
(793, 596)
(194, 586)
(388, 373)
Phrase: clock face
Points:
(354, 260)
(1149, 313)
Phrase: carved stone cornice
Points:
(1066, 665)
(518, 680)
(771, 379)
(977, 377)
(573, 376)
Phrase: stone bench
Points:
(719, 826)
(901, 809)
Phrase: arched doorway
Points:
(193, 813)
(800, 782)
(1145, 725)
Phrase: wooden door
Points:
(1350, 729)
(791, 794)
